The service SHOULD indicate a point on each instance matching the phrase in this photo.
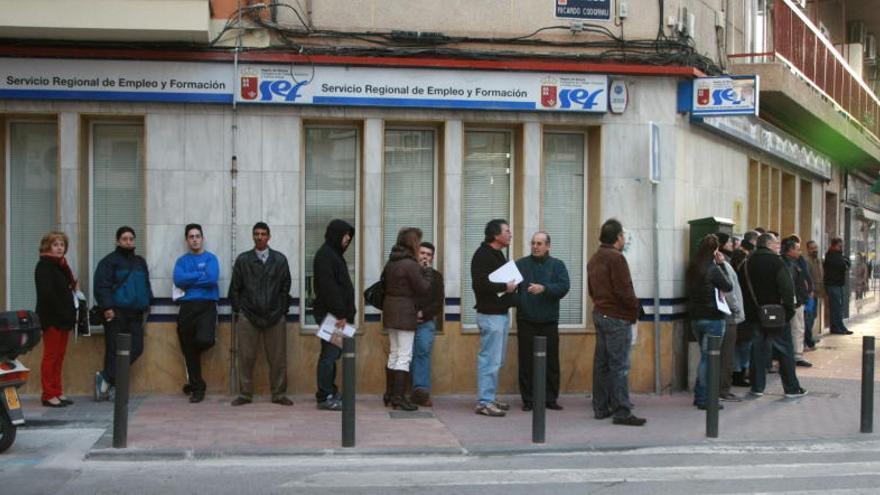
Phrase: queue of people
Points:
(732, 284)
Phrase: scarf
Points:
(62, 262)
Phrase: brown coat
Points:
(611, 286)
(405, 284)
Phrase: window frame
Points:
(90, 181)
(472, 328)
(7, 201)
(435, 203)
(310, 328)
(584, 323)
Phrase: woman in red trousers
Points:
(55, 307)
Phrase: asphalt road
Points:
(50, 460)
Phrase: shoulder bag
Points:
(770, 315)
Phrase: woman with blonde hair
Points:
(405, 282)
(55, 307)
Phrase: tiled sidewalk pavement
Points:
(169, 425)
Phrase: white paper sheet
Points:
(328, 331)
(721, 303)
(506, 273)
(176, 292)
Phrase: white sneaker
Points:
(797, 394)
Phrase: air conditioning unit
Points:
(856, 32)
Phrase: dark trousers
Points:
(728, 355)
(196, 330)
(526, 331)
(327, 371)
(766, 342)
(125, 321)
(809, 319)
(611, 366)
(835, 306)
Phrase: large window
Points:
(117, 185)
(32, 191)
(486, 184)
(563, 200)
(409, 184)
(331, 173)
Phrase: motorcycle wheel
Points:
(7, 431)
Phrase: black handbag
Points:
(770, 315)
(96, 314)
(375, 294)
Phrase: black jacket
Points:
(771, 282)
(54, 296)
(431, 304)
(836, 266)
(799, 280)
(701, 296)
(334, 291)
(260, 291)
(119, 269)
(485, 261)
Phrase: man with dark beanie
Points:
(123, 292)
(334, 294)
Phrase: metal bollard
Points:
(120, 403)
(867, 421)
(348, 391)
(713, 385)
(539, 390)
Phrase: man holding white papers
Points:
(494, 300)
(196, 274)
(334, 294)
(260, 296)
(545, 282)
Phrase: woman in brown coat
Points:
(405, 283)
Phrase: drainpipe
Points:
(233, 179)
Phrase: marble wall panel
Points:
(205, 139)
(165, 138)
(249, 142)
(165, 243)
(207, 198)
(249, 198)
(282, 143)
(164, 196)
(280, 198)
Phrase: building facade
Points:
(295, 114)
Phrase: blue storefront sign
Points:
(593, 10)
(720, 95)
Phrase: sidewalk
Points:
(171, 427)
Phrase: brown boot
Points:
(421, 397)
(398, 397)
(389, 385)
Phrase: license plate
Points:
(12, 398)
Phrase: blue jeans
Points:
(764, 342)
(835, 303)
(702, 330)
(326, 371)
(493, 347)
(421, 359)
(611, 366)
(809, 319)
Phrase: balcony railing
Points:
(795, 41)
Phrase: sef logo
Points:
(726, 96)
(269, 89)
(579, 96)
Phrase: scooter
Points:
(13, 374)
(19, 333)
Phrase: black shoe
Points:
(187, 388)
(49, 403)
(197, 397)
(602, 415)
(803, 363)
(64, 400)
(283, 401)
(729, 397)
(527, 406)
(554, 405)
(240, 401)
(630, 420)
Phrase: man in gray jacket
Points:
(260, 296)
(737, 315)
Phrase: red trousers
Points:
(54, 347)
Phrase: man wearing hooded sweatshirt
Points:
(334, 294)
(123, 293)
(259, 293)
